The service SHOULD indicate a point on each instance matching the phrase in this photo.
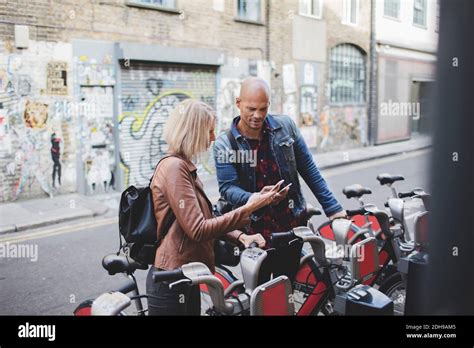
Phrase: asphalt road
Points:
(68, 267)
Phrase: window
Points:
(158, 4)
(347, 74)
(419, 12)
(391, 8)
(350, 11)
(249, 10)
(311, 8)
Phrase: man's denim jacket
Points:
(293, 157)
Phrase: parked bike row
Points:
(360, 265)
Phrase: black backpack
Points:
(137, 223)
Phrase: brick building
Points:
(86, 86)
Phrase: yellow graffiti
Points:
(140, 119)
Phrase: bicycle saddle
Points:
(120, 263)
(356, 190)
(386, 178)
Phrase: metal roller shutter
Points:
(149, 92)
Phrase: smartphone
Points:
(284, 188)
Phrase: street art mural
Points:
(3, 80)
(97, 145)
(56, 155)
(226, 102)
(36, 143)
(143, 132)
(56, 81)
(32, 168)
(36, 115)
(23, 86)
(92, 72)
(308, 105)
(342, 127)
(149, 94)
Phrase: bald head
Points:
(253, 86)
(253, 103)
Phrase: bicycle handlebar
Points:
(281, 236)
(170, 276)
(360, 211)
(406, 194)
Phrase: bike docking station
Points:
(360, 299)
(414, 267)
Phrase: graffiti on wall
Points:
(97, 143)
(308, 104)
(35, 140)
(342, 127)
(145, 131)
(226, 102)
(5, 140)
(23, 85)
(56, 80)
(3, 80)
(32, 167)
(35, 115)
(92, 72)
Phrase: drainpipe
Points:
(267, 33)
(373, 110)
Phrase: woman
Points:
(175, 187)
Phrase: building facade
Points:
(407, 36)
(86, 86)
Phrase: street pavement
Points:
(68, 268)
(34, 213)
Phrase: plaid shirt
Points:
(275, 218)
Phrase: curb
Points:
(23, 227)
(341, 164)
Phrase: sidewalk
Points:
(23, 215)
(340, 158)
(34, 213)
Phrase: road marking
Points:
(58, 230)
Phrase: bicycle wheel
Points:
(310, 295)
(394, 287)
(84, 308)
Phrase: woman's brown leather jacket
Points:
(176, 186)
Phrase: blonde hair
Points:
(187, 129)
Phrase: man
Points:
(281, 154)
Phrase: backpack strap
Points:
(170, 217)
(235, 147)
(161, 159)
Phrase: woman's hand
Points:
(247, 239)
(266, 196)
